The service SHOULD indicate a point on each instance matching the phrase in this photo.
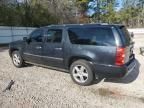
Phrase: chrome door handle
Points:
(58, 48)
(38, 47)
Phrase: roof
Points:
(76, 25)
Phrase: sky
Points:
(119, 4)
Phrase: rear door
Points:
(53, 48)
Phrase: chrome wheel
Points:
(80, 73)
(16, 59)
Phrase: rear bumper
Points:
(112, 71)
(130, 67)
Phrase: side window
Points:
(54, 36)
(91, 36)
(37, 36)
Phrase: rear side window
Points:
(92, 36)
(126, 36)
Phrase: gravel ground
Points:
(37, 87)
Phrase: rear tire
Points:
(17, 59)
(82, 73)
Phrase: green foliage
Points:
(132, 14)
(110, 16)
(82, 4)
(41, 13)
(26, 15)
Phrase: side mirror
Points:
(25, 39)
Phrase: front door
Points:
(33, 48)
(53, 48)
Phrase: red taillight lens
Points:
(120, 56)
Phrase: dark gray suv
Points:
(87, 51)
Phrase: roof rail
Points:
(75, 24)
(104, 23)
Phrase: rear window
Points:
(92, 36)
(126, 36)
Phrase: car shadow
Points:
(28, 65)
(129, 78)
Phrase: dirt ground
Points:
(37, 87)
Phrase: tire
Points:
(82, 73)
(17, 59)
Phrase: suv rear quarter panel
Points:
(101, 55)
(98, 54)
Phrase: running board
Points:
(49, 67)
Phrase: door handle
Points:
(38, 47)
(58, 48)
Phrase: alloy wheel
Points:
(80, 73)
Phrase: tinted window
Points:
(92, 36)
(54, 36)
(126, 35)
(37, 35)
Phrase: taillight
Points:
(120, 56)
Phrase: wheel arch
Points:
(12, 50)
(75, 58)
